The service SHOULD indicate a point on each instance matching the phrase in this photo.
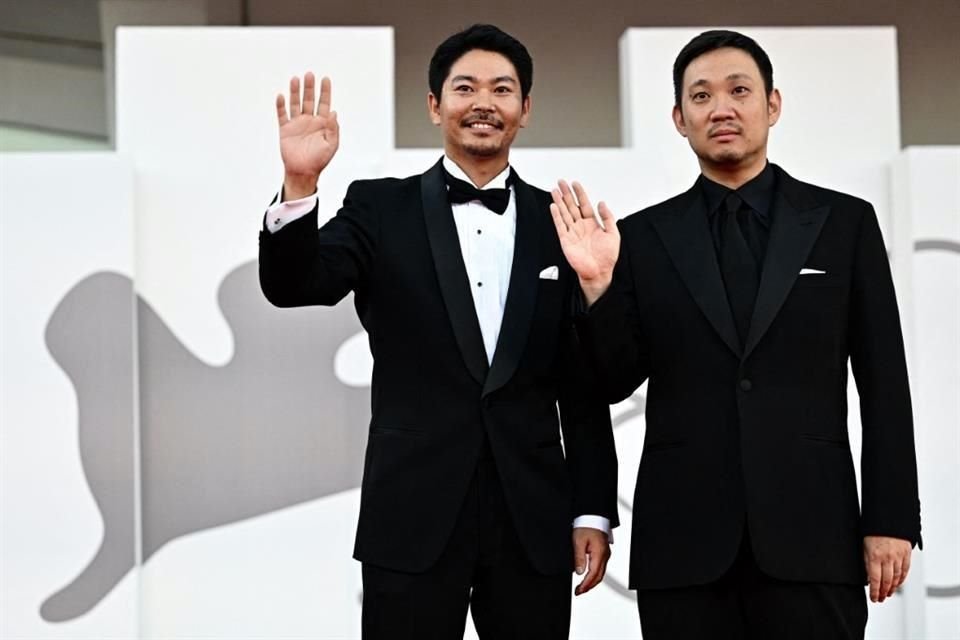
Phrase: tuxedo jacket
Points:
(753, 436)
(435, 400)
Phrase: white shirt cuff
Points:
(595, 522)
(283, 213)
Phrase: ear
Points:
(678, 121)
(433, 108)
(774, 104)
(525, 110)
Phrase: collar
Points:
(757, 193)
(499, 181)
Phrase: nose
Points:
(723, 108)
(482, 101)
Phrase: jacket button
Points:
(745, 385)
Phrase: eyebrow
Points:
(733, 76)
(496, 80)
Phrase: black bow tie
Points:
(460, 191)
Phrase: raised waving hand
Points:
(309, 135)
(590, 246)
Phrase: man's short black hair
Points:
(485, 37)
(710, 41)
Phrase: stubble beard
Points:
(725, 157)
(483, 150)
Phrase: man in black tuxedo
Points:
(468, 495)
(740, 301)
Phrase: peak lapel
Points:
(685, 233)
(451, 272)
(797, 221)
(522, 292)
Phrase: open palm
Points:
(309, 136)
(590, 246)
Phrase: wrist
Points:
(296, 186)
(594, 288)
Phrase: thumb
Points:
(607, 218)
(580, 557)
(333, 130)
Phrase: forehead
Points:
(482, 65)
(718, 64)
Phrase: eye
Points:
(463, 88)
(503, 89)
(741, 91)
(700, 96)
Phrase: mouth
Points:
(724, 134)
(483, 125)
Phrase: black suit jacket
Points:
(755, 434)
(434, 397)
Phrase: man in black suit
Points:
(468, 495)
(740, 301)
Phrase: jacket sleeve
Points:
(890, 501)
(612, 336)
(587, 434)
(301, 265)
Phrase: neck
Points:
(733, 176)
(480, 169)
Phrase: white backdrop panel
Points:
(196, 117)
(932, 177)
(63, 218)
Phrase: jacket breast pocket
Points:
(814, 280)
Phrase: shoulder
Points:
(383, 186)
(641, 222)
(805, 195)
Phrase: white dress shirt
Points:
(486, 243)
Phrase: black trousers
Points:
(746, 604)
(483, 568)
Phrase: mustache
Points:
(484, 119)
(726, 128)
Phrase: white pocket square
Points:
(809, 272)
(550, 273)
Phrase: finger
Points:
(598, 566)
(873, 574)
(308, 85)
(325, 97)
(281, 110)
(332, 134)
(570, 200)
(592, 578)
(579, 556)
(603, 570)
(294, 96)
(607, 219)
(897, 576)
(580, 587)
(562, 208)
(558, 222)
(886, 579)
(585, 207)
(905, 568)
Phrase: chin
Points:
(483, 150)
(726, 156)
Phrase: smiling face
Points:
(725, 113)
(480, 108)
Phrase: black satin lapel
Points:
(451, 272)
(791, 239)
(522, 293)
(685, 233)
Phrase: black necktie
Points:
(741, 275)
(460, 191)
